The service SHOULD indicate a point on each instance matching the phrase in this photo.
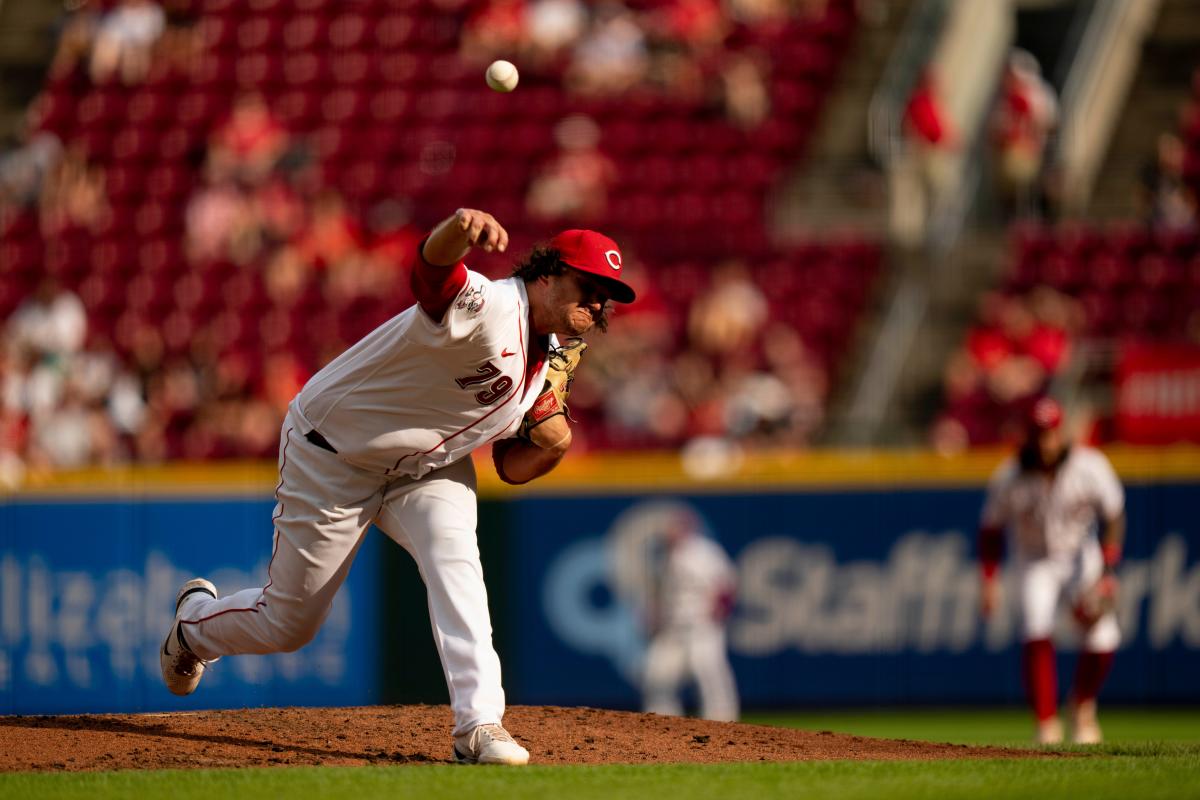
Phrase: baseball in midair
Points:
(502, 76)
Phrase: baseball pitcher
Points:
(383, 435)
(1063, 507)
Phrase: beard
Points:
(580, 320)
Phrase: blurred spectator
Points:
(285, 277)
(700, 25)
(1166, 199)
(798, 368)
(249, 144)
(760, 405)
(75, 38)
(51, 323)
(125, 38)
(12, 445)
(279, 211)
(924, 118)
(574, 184)
(758, 13)
(75, 434)
(643, 403)
(924, 168)
(393, 236)
(1024, 119)
(25, 169)
(1005, 365)
(283, 377)
(73, 195)
(744, 87)
(331, 234)
(554, 26)
(727, 317)
(219, 224)
(497, 30)
(612, 56)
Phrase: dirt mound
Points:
(421, 735)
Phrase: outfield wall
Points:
(858, 585)
(87, 589)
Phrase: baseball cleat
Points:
(1085, 729)
(181, 668)
(1049, 731)
(489, 744)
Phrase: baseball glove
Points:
(1096, 601)
(555, 390)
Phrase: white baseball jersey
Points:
(416, 395)
(1053, 514)
(697, 572)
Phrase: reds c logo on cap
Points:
(595, 253)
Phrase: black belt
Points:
(320, 441)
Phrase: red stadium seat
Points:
(101, 108)
(350, 69)
(394, 31)
(301, 32)
(259, 71)
(348, 31)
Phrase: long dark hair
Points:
(541, 261)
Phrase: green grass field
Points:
(1150, 754)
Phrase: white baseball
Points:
(502, 76)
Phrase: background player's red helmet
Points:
(1046, 414)
(597, 255)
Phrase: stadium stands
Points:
(265, 108)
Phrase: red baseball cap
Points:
(1045, 415)
(595, 254)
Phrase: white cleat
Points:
(181, 668)
(489, 744)
(1049, 731)
(1085, 729)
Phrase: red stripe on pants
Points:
(1041, 678)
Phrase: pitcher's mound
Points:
(259, 737)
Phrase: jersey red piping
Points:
(460, 431)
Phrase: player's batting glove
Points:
(553, 399)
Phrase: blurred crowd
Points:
(1021, 341)
(1023, 121)
(730, 378)
(122, 40)
(1170, 179)
(686, 50)
(279, 273)
(1011, 354)
(264, 245)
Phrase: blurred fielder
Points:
(383, 435)
(1054, 498)
(695, 599)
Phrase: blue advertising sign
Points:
(844, 597)
(87, 592)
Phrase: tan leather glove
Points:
(552, 402)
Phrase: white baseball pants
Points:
(324, 510)
(1044, 582)
(678, 653)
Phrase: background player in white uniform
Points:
(1055, 498)
(695, 598)
(383, 435)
